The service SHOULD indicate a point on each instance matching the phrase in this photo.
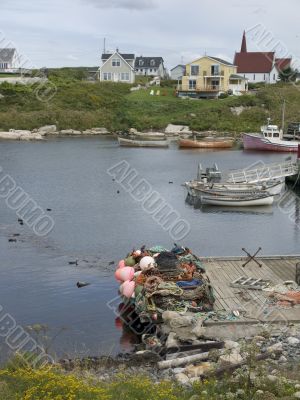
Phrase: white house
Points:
(177, 72)
(8, 60)
(259, 66)
(117, 67)
(150, 66)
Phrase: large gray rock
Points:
(177, 129)
(230, 359)
(47, 130)
(297, 395)
(96, 131)
(70, 132)
(292, 341)
(182, 379)
(20, 135)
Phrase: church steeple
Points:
(244, 44)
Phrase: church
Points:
(259, 66)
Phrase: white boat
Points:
(196, 188)
(236, 201)
(143, 143)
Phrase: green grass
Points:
(81, 105)
(55, 384)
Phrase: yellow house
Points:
(211, 76)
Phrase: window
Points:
(194, 70)
(155, 70)
(4, 65)
(152, 63)
(141, 70)
(274, 77)
(116, 62)
(124, 76)
(254, 77)
(215, 70)
(150, 69)
(107, 76)
(141, 62)
(264, 77)
(192, 84)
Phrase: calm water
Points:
(97, 225)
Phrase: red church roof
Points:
(283, 63)
(254, 62)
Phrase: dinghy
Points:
(238, 201)
(143, 143)
(207, 143)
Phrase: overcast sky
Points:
(70, 32)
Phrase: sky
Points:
(60, 33)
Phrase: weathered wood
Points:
(178, 362)
(205, 346)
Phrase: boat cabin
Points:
(271, 132)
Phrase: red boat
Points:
(270, 139)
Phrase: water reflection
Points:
(209, 209)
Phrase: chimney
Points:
(244, 44)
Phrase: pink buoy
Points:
(128, 289)
(121, 264)
(124, 274)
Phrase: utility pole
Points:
(283, 115)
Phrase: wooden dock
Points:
(253, 305)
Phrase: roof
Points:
(7, 55)
(179, 65)
(147, 62)
(235, 76)
(106, 56)
(254, 62)
(220, 60)
(283, 63)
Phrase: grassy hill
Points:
(81, 105)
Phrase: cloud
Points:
(125, 4)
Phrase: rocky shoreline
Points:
(49, 130)
(272, 358)
(171, 131)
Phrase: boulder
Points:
(70, 132)
(275, 347)
(182, 379)
(297, 395)
(96, 131)
(177, 129)
(47, 130)
(230, 359)
(230, 344)
(20, 135)
(292, 341)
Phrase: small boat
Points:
(238, 201)
(143, 143)
(207, 143)
(147, 136)
(269, 139)
(272, 187)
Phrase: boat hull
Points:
(141, 143)
(202, 144)
(232, 202)
(254, 142)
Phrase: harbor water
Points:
(97, 221)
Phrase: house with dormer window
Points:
(117, 67)
(150, 66)
(8, 60)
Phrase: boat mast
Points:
(283, 116)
